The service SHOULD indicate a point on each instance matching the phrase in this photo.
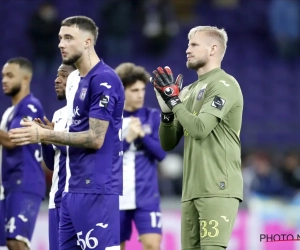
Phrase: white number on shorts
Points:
(10, 226)
(89, 242)
(155, 219)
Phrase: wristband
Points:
(172, 102)
(167, 117)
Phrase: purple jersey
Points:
(55, 159)
(21, 166)
(140, 183)
(100, 95)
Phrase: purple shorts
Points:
(54, 217)
(89, 221)
(147, 220)
(21, 211)
(2, 224)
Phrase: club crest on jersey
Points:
(168, 91)
(201, 92)
(82, 94)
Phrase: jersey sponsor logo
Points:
(76, 111)
(82, 93)
(32, 108)
(168, 91)
(224, 82)
(104, 100)
(218, 103)
(105, 84)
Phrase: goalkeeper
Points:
(208, 113)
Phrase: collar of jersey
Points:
(202, 77)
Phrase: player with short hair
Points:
(141, 200)
(55, 156)
(22, 175)
(90, 205)
(208, 113)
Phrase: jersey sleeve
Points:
(151, 141)
(29, 111)
(103, 94)
(220, 97)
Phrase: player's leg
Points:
(148, 223)
(217, 217)
(212, 248)
(126, 217)
(190, 237)
(21, 210)
(96, 219)
(67, 237)
(2, 223)
(54, 217)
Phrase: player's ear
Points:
(213, 49)
(88, 43)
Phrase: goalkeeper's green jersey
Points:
(212, 165)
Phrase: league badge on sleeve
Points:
(218, 102)
(104, 100)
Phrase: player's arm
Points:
(101, 109)
(151, 142)
(92, 138)
(5, 140)
(48, 155)
(126, 145)
(170, 130)
(29, 112)
(170, 134)
(218, 100)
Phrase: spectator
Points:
(43, 33)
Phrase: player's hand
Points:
(29, 134)
(135, 129)
(163, 82)
(47, 125)
(163, 106)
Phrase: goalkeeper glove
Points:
(163, 82)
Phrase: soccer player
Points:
(22, 175)
(55, 156)
(140, 201)
(208, 113)
(90, 217)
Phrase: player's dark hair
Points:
(23, 62)
(83, 23)
(71, 65)
(129, 73)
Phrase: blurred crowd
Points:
(151, 26)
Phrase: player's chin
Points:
(60, 96)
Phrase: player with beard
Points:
(55, 156)
(208, 113)
(90, 217)
(22, 176)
